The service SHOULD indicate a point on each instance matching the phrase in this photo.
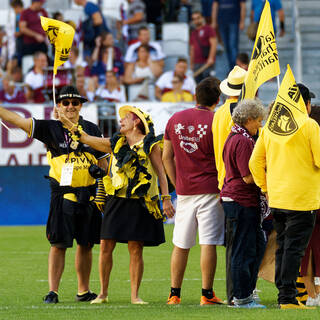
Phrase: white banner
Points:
(160, 112)
(16, 149)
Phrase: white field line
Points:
(143, 280)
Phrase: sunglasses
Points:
(74, 103)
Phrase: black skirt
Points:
(128, 220)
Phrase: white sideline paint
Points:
(143, 280)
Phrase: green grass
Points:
(23, 283)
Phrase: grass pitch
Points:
(23, 283)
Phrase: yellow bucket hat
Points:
(144, 117)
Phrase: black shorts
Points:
(128, 220)
(80, 222)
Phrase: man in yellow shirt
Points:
(222, 121)
(289, 173)
(221, 127)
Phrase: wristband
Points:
(282, 25)
(165, 197)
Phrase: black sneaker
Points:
(86, 297)
(51, 297)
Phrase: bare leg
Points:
(208, 263)
(83, 263)
(55, 267)
(136, 268)
(308, 280)
(179, 259)
(105, 265)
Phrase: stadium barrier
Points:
(24, 193)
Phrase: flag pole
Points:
(278, 82)
(54, 93)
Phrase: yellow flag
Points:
(264, 63)
(60, 35)
(289, 112)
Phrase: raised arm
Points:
(15, 119)
(97, 143)
(155, 158)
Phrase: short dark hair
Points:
(315, 113)
(243, 57)
(182, 59)
(143, 28)
(16, 3)
(208, 92)
(197, 12)
(144, 46)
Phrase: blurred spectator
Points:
(93, 25)
(111, 91)
(206, 6)
(83, 80)
(177, 94)
(171, 10)
(275, 6)
(229, 16)
(136, 18)
(34, 37)
(203, 44)
(16, 74)
(10, 93)
(106, 57)
(74, 61)
(58, 16)
(143, 69)
(154, 14)
(3, 46)
(17, 6)
(35, 79)
(243, 60)
(164, 83)
(155, 49)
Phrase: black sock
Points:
(175, 292)
(208, 293)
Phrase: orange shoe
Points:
(215, 300)
(174, 300)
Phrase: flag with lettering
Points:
(289, 112)
(60, 35)
(264, 63)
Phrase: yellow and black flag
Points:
(264, 63)
(60, 35)
(288, 113)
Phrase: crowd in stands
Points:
(131, 55)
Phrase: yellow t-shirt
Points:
(170, 96)
(289, 172)
(221, 127)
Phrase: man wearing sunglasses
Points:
(73, 215)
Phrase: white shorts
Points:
(201, 212)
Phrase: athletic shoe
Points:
(313, 302)
(300, 306)
(51, 297)
(255, 296)
(174, 300)
(250, 305)
(86, 297)
(214, 300)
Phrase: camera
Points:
(96, 172)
